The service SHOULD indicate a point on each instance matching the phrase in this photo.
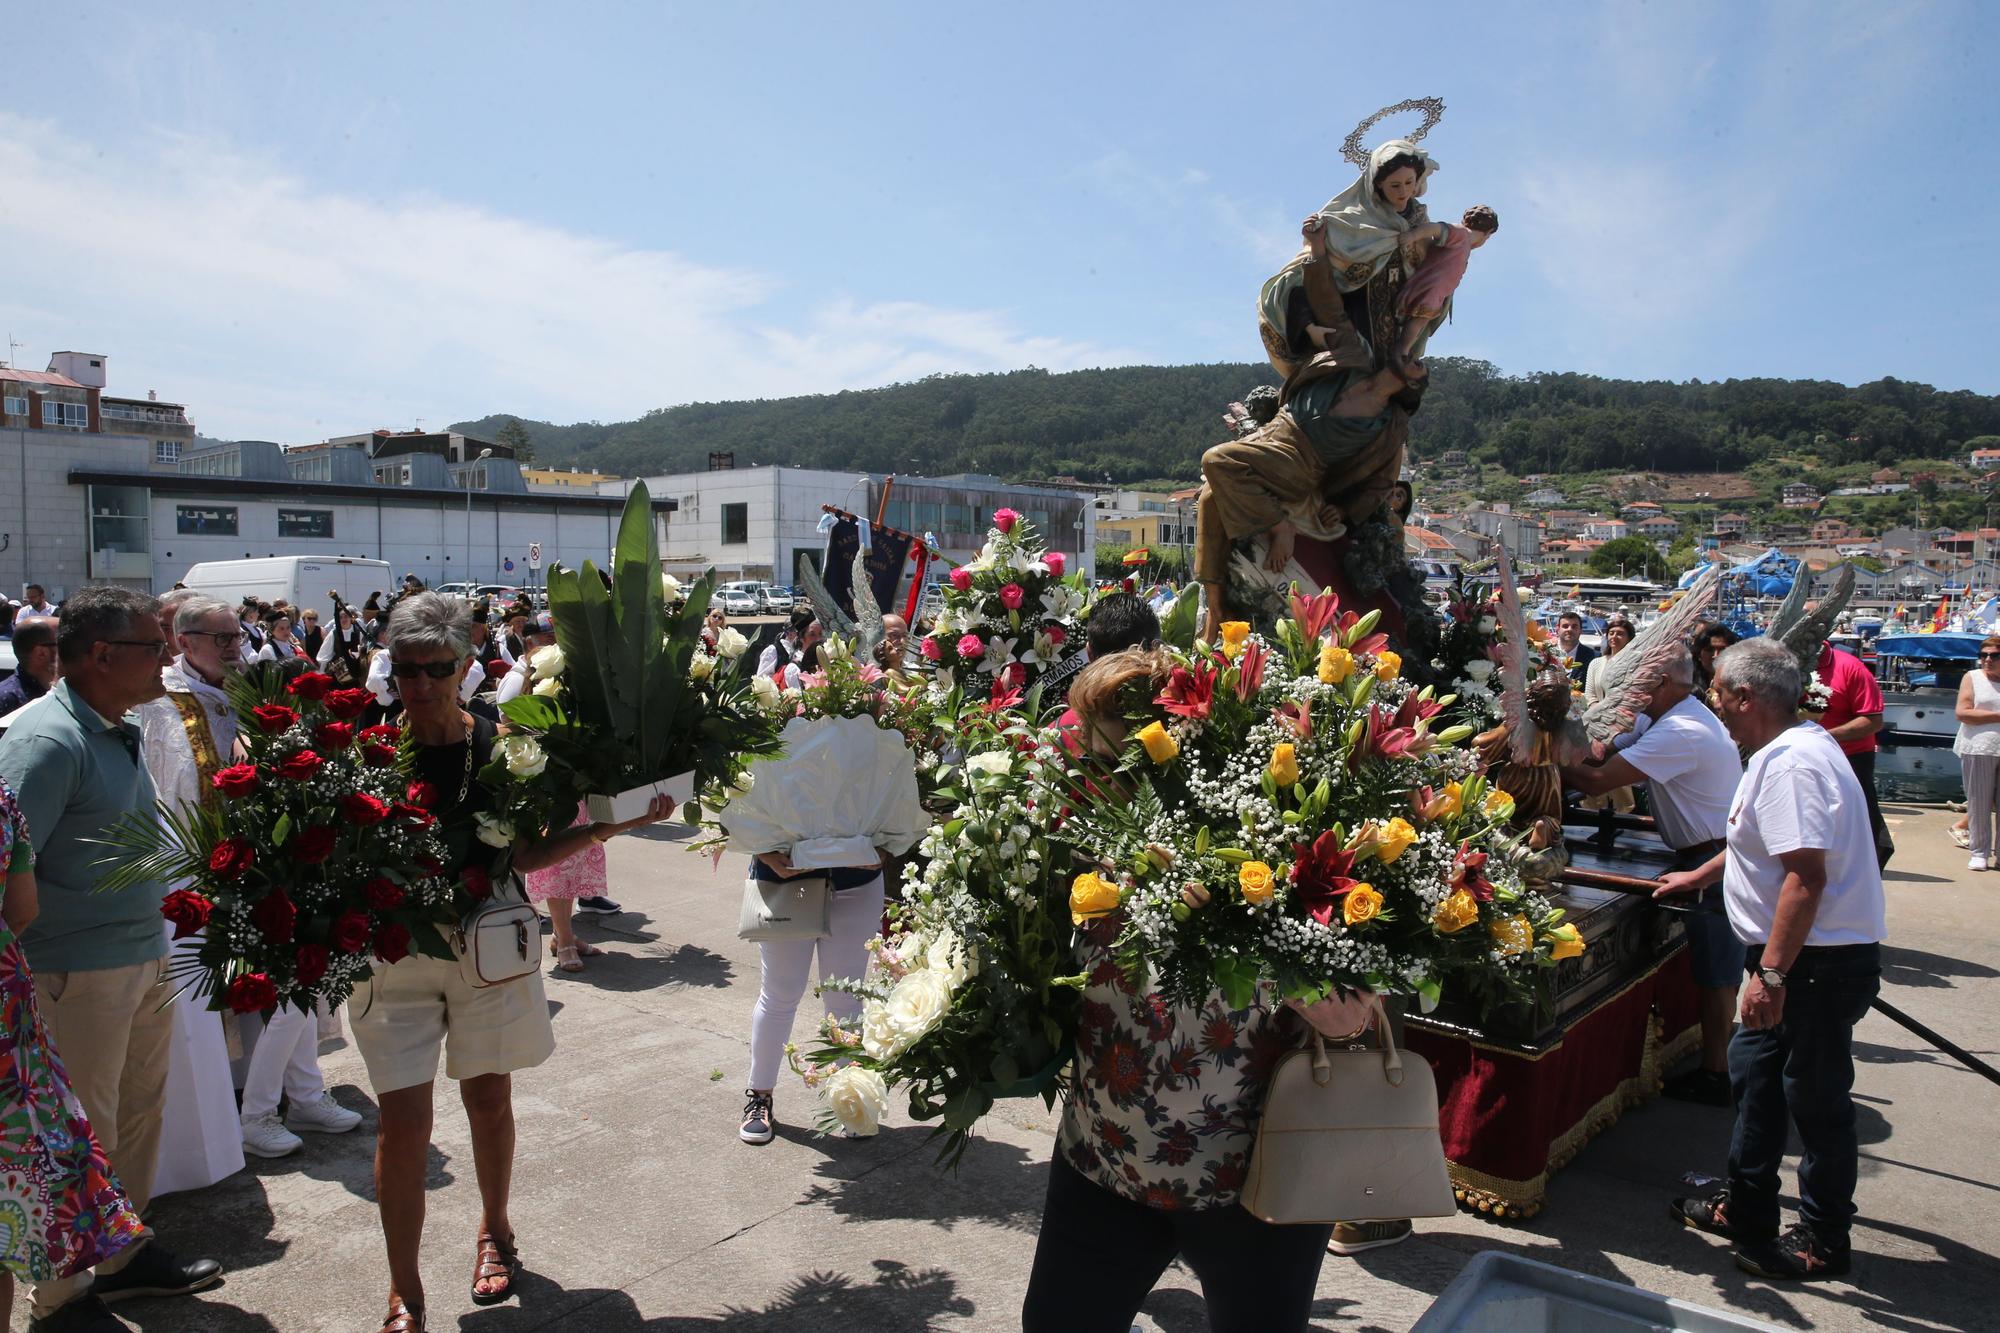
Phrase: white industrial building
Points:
(763, 522)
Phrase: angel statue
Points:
(1802, 626)
(1542, 728)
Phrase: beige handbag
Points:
(498, 941)
(1349, 1135)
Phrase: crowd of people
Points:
(1777, 878)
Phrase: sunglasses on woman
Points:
(411, 670)
(1984, 657)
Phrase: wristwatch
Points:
(1771, 977)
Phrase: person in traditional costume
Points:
(1427, 295)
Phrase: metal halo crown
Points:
(1356, 152)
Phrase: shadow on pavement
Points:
(217, 1316)
(897, 1299)
(1914, 967)
(689, 965)
(996, 1184)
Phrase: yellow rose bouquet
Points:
(1292, 811)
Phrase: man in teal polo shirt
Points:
(99, 959)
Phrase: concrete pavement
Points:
(638, 1209)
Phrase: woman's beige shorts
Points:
(408, 1009)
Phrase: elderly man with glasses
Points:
(99, 958)
(1804, 896)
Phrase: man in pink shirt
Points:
(1852, 717)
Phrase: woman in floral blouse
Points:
(1156, 1137)
(61, 1211)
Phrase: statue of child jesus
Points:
(1447, 251)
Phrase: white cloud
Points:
(278, 310)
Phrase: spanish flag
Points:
(1938, 617)
(1138, 557)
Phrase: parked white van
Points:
(302, 580)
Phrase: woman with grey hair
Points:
(1804, 895)
(415, 1007)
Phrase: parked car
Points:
(739, 599)
(777, 597)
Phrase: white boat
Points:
(1925, 715)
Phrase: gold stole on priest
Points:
(201, 740)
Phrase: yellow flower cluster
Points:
(1160, 746)
(1455, 913)
(1388, 665)
(1393, 839)
(1361, 904)
(1284, 764)
(1566, 942)
(1090, 897)
(1257, 881)
(1235, 633)
(1513, 934)
(1336, 664)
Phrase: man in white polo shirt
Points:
(1690, 769)
(1804, 893)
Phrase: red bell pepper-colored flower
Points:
(231, 857)
(251, 993)
(188, 911)
(276, 917)
(313, 685)
(273, 718)
(363, 809)
(237, 780)
(314, 844)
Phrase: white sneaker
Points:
(321, 1115)
(263, 1136)
(1976, 863)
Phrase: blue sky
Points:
(306, 221)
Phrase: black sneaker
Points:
(85, 1314)
(1799, 1255)
(1705, 1087)
(1710, 1213)
(156, 1272)
(757, 1119)
(597, 905)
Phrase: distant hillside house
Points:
(1659, 527)
(1884, 475)
(1831, 530)
(1731, 525)
(1544, 496)
(1798, 495)
(1982, 459)
(1607, 529)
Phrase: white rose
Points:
(1486, 624)
(918, 1003)
(495, 832)
(878, 1039)
(951, 957)
(858, 1099)
(731, 643)
(766, 691)
(1479, 668)
(524, 755)
(548, 689)
(995, 763)
(701, 666)
(670, 587)
(548, 662)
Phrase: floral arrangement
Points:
(317, 856)
(629, 694)
(1465, 656)
(966, 1001)
(1296, 819)
(1817, 696)
(1009, 614)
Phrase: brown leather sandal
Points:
(402, 1319)
(496, 1260)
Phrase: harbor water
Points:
(1918, 773)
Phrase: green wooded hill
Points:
(1139, 423)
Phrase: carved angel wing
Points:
(1794, 605)
(1805, 635)
(867, 613)
(1513, 625)
(1631, 677)
(823, 605)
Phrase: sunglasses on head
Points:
(411, 670)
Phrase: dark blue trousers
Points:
(1801, 1073)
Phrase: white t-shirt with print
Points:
(1800, 792)
(1691, 770)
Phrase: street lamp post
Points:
(484, 454)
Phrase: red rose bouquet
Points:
(1009, 614)
(310, 859)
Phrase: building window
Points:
(305, 523)
(75, 416)
(736, 525)
(205, 520)
(14, 407)
(166, 451)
